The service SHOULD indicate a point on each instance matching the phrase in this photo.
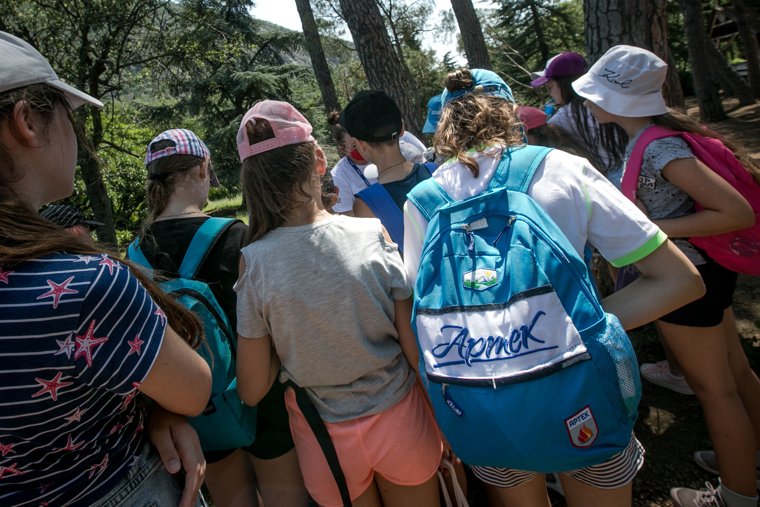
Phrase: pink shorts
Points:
(403, 444)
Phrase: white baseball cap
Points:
(626, 81)
(21, 65)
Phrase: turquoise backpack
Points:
(524, 368)
(226, 423)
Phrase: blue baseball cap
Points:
(433, 114)
(484, 81)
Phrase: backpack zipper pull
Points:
(468, 230)
(451, 404)
(510, 221)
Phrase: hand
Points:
(448, 453)
(179, 448)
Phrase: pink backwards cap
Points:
(289, 127)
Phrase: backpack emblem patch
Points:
(480, 279)
(581, 427)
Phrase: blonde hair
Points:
(474, 121)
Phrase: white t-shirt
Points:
(352, 179)
(349, 179)
(585, 206)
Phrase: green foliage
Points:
(527, 33)
(121, 154)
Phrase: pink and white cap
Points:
(289, 127)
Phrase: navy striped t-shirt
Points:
(78, 334)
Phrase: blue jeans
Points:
(147, 484)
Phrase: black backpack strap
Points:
(323, 438)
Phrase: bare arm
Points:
(406, 337)
(361, 209)
(180, 380)
(724, 210)
(668, 281)
(257, 368)
(257, 363)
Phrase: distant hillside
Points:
(337, 51)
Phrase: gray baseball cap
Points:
(22, 65)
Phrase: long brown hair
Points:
(609, 136)
(272, 181)
(554, 137)
(474, 121)
(24, 235)
(163, 174)
(681, 122)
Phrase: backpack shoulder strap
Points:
(201, 244)
(517, 167)
(633, 165)
(136, 255)
(429, 197)
(381, 203)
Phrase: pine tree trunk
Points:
(317, 56)
(379, 60)
(730, 80)
(641, 23)
(744, 23)
(710, 105)
(535, 17)
(472, 34)
(93, 177)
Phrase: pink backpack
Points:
(737, 250)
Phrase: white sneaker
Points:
(659, 373)
(687, 497)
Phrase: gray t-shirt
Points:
(325, 294)
(661, 198)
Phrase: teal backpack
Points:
(524, 368)
(226, 423)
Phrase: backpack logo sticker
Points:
(480, 279)
(581, 427)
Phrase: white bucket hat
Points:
(626, 81)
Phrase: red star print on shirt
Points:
(160, 314)
(57, 290)
(110, 263)
(51, 386)
(134, 346)
(75, 416)
(11, 470)
(6, 448)
(4, 276)
(71, 445)
(98, 468)
(86, 342)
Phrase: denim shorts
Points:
(147, 484)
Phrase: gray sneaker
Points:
(706, 461)
(659, 374)
(687, 497)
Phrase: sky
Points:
(285, 13)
